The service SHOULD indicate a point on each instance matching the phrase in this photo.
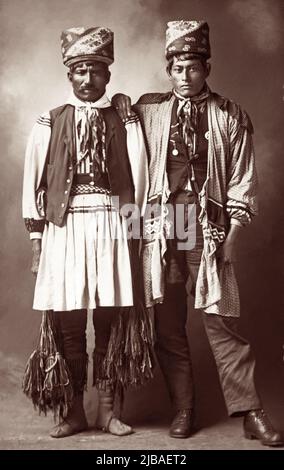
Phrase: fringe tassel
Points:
(100, 379)
(129, 358)
(46, 379)
(78, 368)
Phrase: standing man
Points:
(201, 152)
(79, 157)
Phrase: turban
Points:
(79, 44)
(190, 37)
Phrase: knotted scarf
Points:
(91, 132)
(188, 112)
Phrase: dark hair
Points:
(186, 56)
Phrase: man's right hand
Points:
(122, 104)
(36, 248)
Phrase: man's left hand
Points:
(226, 252)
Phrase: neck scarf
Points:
(91, 131)
(188, 113)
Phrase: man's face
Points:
(89, 79)
(188, 76)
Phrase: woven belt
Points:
(88, 189)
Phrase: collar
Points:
(103, 102)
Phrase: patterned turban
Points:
(190, 37)
(87, 43)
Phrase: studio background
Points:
(247, 66)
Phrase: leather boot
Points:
(182, 425)
(106, 421)
(258, 426)
(74, 422)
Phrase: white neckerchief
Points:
(103, 102)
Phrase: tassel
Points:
(46, 379)
(100, 379)
(78, 368)
(129, 360)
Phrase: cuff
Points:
(35, 225)
(35, 235)
(234, 221)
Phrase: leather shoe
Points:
(116, 427)
(258, 426)
(66, 428)
(182, 424)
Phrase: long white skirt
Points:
(85, 263)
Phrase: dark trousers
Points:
(71, 338)
(232, 353)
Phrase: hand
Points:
(226, 252)
(122, 104)
(36, 256)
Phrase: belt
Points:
(83, 179)
(86, 178)
(88, 189)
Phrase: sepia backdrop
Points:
(247, 66)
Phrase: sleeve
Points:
(35, 157)
(242, 177)
(138, 161)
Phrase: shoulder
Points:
(133, 119)
(154, 98)
(236, 113)
(44, 119)
(111, 115)
(47, 118)
(56, 112)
